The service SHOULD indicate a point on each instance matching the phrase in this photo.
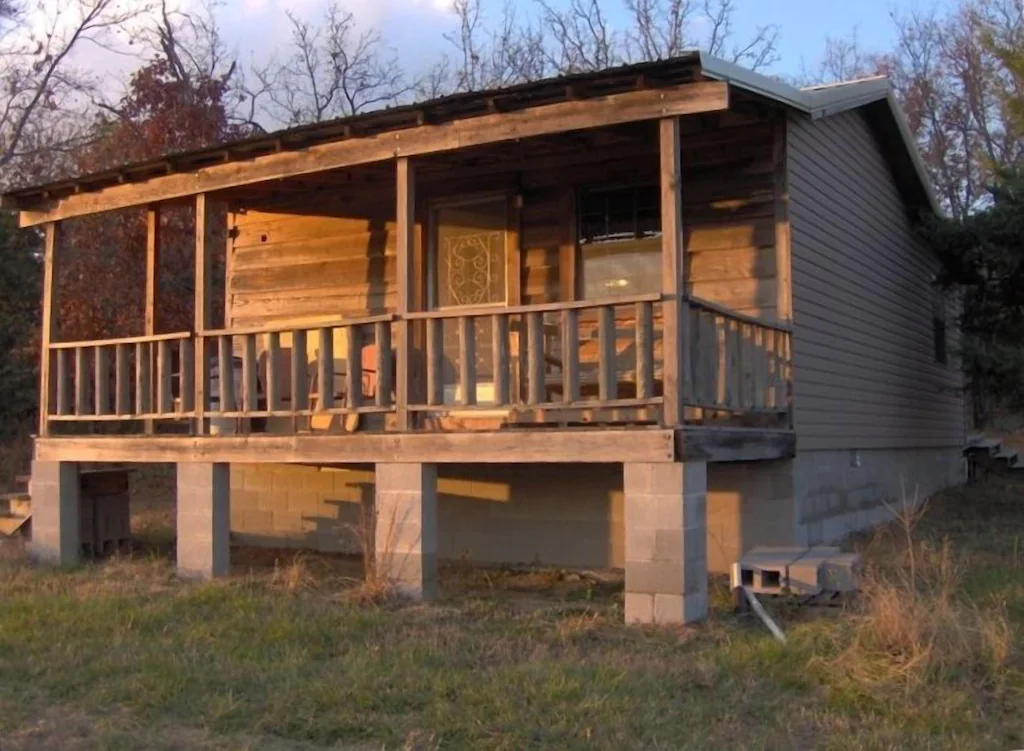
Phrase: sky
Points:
(256, 29)
(415, 27)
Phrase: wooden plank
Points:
(122, 379)
(273, 374)
(325, 370)
(63, 382)
(644, 345)
(354, 366)
(250, 382)
(143, 380)
(405, 245)
(47, 324)
(203, 309)
(186, 377)
(704, 96)
(467, 360)
(435, 362)
(588, 445)
(382, 338)
(673, 271)
(152, 266)
(535, 376)
(299, 371)
(570, 355)
(82, 406)
(101, 398)
(712, 444)
(500, 358)
(164, 400)
(225, 374)
(606, 335)
(122, 340)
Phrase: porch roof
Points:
(873, 94)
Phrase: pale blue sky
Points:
(259, 29)
(416, 26)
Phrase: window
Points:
(620, 241)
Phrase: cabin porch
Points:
(617, 294)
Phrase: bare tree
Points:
(953, 88)
(45, 98)
(487, 57)
(333, 70)
(579, 37)
(664, 28)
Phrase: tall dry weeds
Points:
(912, 621)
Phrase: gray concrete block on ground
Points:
(405, 529)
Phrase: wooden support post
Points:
(606, 353)
(143, 380)
(225, 374)
(382, 337)
(152, 294)
(273, 359)
(467, 360)
(123, 379)
(354, 367)
(673, 273)
(500, 358)
(535, 358)
(645, 350)
(48, 327)
(300, 372)
(405, 243)
(203, 311)
(570, 356)
(325, 370)
(250, 387)
(186, 378)
(435, 362)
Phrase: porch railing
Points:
(558, 363)
(337, 368)
(132, 378)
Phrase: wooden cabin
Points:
(646, 317)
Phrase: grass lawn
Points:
(122, 655)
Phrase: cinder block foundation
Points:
(54, 488)
(405, 530)
(204, 520)
(666, 542)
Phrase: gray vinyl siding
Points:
(864, 365)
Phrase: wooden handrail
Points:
(551, 307)
(177, 335)
(337, 323)
(721, 310)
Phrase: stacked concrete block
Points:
(666, 542)
(799, 571)
(405, 529)
(54, 488)
(204, 526)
